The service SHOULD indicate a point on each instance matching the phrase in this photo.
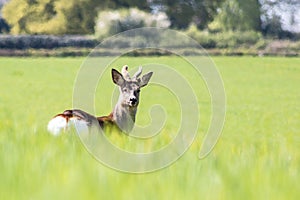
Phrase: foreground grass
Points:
(257, 156)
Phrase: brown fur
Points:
(103, 120)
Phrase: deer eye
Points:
(125, 90)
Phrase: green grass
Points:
(257, 156)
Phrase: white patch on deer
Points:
(57, 125)
(81, 126)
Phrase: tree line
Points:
(60, 17)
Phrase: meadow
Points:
(256, 157)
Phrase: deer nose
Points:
(133, 101)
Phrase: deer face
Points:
(130, 93)
(130, 87)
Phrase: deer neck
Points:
(124, 116)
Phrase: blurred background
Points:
(223, 27)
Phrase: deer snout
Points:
(133, 101)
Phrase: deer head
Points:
(129, 87)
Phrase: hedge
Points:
(245, 43)
(45, 42)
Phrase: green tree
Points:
(238, 15)
(116, 4)
(50, 16)
(80, 16)
(184, 12)
(251, 12)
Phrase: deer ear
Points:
(145, 79)
(117, 77)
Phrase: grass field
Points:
(257, 156)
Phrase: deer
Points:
(123, 115)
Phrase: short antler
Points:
(138, 73)
(125, 73)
